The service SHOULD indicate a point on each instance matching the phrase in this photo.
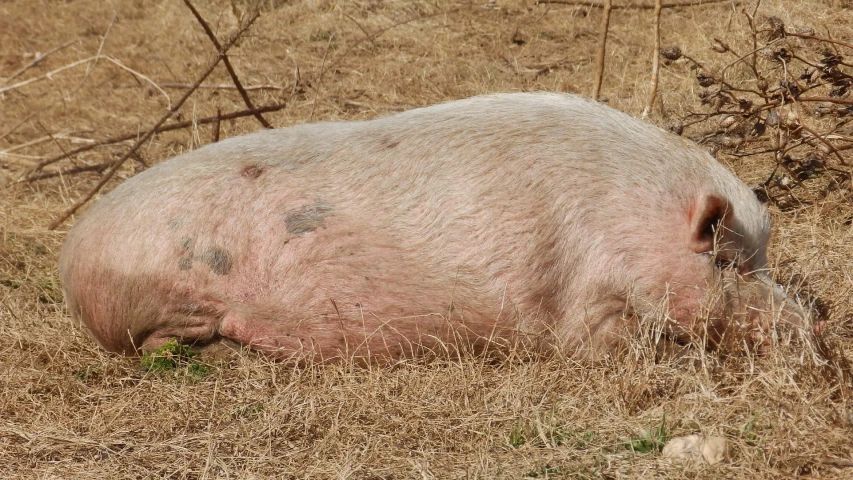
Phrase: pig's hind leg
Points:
(190, 322)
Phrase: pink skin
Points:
(538, 218)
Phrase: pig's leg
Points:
(599, 325)
(189, 322)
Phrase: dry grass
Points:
(68, 409)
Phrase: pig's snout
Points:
(759, 309)
(790, 310)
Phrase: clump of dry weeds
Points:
(67, 409)
(788, 94)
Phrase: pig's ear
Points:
(708, 215)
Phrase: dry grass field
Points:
(76, 72)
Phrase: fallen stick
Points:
(98, 167)
(161, 129)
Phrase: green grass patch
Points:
(651, 441)
(174, 357)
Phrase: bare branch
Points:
(602, 48)
(653, 90)
(820, 39)
(220, 86)
(161, 129)
(584, 3)
(227, 63)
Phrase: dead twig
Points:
(98, 167)
(840, 101)
(824, 141)
(109, 174)
(91, 66)
(38, 59)
(582, 3)
(46, 75)
(216, 122)
(95, 58)
(221, 86)
(602, 48)
(653, 90)
(227, 64)
(363, 30)
(820, 39)
(320, 79)
(161, 129)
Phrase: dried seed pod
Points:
(760, 192)
(777, 28)
(781, 54)
(766, 53)
(814, 161)
(783, 181)
(677, 128)
(671, 53)
(762, 84)
(814, 76)
(772, 119)
(788, 116)
(719, 46)
(705, 80)
(839, 90)
(789, 89)
(728, 121)
(805, 31)
(829, 59)
(745, 104)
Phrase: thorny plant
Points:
(786, 94)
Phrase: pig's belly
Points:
(314, 280)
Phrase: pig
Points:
(541, 218)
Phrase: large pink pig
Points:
(538, 217)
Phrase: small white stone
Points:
(697, 448)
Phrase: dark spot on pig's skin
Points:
(308, 218)
(390, 145)
(187, 243)
(185, 263)
(218, 259)
(175, 223)
(253, 171)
